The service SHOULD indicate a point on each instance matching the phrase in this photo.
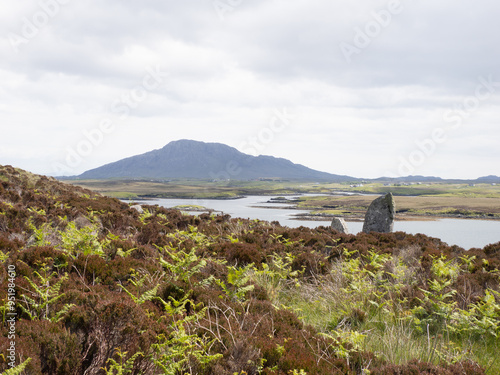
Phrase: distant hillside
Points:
(481, 180)
(411, 179)
(192, 159)
(489, 180)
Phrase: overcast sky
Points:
(364, 88)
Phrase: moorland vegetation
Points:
(103, 289)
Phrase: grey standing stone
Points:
(380, 215)
(340, 225)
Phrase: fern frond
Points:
(62, 312)
(18, 369)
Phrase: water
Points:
(246, 208)
(466, 233)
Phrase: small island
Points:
(192, 208)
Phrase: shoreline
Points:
(357, 218)
(274, 204)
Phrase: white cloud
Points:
(226, 77)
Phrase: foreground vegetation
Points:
(104, 289)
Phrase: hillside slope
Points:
(192, 159)
(102, 288)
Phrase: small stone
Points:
(138, 207)
(340, 225)
(380, 215)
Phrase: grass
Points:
(122, 195)
(432, 189)
(369, 309)
(457, 206)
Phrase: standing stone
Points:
(340, 225)
(380, 215)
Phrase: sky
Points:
(364, 88)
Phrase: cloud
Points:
(228, 73)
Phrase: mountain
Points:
(200, 160)
(489, 180)
(411, 179)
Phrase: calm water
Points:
(462, 232)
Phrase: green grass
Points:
(331, 212)
(356, 301)
(146, 187)
(121, 195)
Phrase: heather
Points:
(104, 289)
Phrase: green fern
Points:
(184, 264)
(172, 354)
(3, 256)
(44, 296)
(119, 252)
(40, 235)
(141, 297)
(124, 367)
(81, 241)
(144, 216)
(177, 307)
(18, 369)
(237, 279)
(40, 212)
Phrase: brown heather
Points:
(251, 336)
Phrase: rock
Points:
(340, 225)
(138, 207)
(380, 215)
(81, 222)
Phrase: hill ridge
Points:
(201, 160)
